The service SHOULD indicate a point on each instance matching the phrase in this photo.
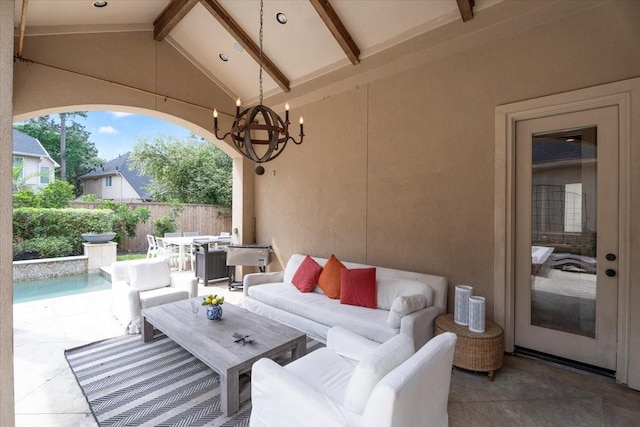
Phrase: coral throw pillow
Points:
(307, 275)
(329, 280)
(358, 287)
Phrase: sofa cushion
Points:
(307, 274)
(329, 280)
(152, 274)
(404, 305)
(292, 267)
(373, 367)
(388, 289)
(358, 287)
(316, 307)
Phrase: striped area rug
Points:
(131, 383)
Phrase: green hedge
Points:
(34, 223)
(46, 247)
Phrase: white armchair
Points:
(356, 382)
(144, 283)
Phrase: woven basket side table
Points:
(478, 352)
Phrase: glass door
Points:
(567, 236)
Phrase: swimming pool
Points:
(33, 290)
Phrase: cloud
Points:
(108, 130)
(119, 114)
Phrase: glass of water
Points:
(195, 308)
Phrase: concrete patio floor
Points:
(525, 392)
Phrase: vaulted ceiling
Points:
(221, 37)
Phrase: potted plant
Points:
(213, 304)
(98, 237)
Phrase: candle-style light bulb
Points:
(301, 127)
(215, 118)
(238, 107)
(286, 114)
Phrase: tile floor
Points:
(525, 392)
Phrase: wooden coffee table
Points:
(212, 342)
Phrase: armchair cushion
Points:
(373, 367)
(161, 296)
(404, 305)
(348, 344)
(153, 274)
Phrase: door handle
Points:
(610, 257)
(610, 272)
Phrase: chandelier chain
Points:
(260, 59)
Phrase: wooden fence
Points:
(209, 220)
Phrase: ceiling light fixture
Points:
(238, 47)
(258, 133)
(223, 57)
(100, 3)
(281, 18)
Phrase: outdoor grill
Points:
(246, 255)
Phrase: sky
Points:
(115, 133)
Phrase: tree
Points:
(79, 154)
(186, 171)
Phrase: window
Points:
(19, 162)
(107, 181)
(44, 174)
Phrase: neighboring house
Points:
(38, 168)
(115, 181)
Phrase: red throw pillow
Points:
(358, 287)
(329, 280)
(307, 275)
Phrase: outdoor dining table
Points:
(183, 241)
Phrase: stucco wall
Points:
(6, 215)
(399, 171)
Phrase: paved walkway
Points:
(525, 392)
(46, 392)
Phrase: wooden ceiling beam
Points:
(466, 9)
(170, 17)
(337, 28)
(232, 27)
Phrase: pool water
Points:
(33, 290)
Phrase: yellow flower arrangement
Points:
(212, 300)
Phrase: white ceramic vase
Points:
(461, 308)
(476, 314)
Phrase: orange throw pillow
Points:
(329, 280)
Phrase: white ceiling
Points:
(303, 49)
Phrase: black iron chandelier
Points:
(258, 133)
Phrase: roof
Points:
(120, 165)
(26, 145)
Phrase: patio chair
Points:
(192, 248)
(144, 283)
(152, 250)
(167, 251)
(356, 382)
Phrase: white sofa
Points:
(356, 382)
(272, 295)
(144, 283)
